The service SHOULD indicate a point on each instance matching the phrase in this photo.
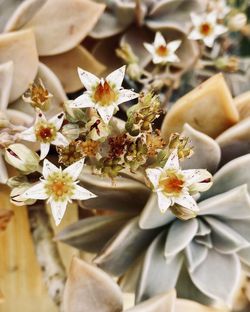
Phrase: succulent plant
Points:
(216, 239)
(82, 274)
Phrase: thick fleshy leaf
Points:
(112, 23)
(206, 151)
(235, 141)
(234, 204)
(195, 255)
(3, 171)
(214, 278)
(244, 255)
(231, 175)
(151, 217)
(6, 76)
(225, 239)
(65, 66)
(162, 303)
(124, 248)
(19, 118)
(24, 12)
(91, 234)
(158, 273)
(208, 108)
(179, 236)
(192, 306)
(5, 217)
(129, 280)
(20, 47)
(69, 23)
(242, 102)
(90, 289)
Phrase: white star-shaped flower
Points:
(206, 28)
(103, 94)
(175, 186)
(46, 132)
(162, 52)
(59, 187)
(220, 7)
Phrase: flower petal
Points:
(48, 168)
(83, 101)
(173, 161)
(164, 202)
(196, 176)
(57, 120)
(40, 117)
(159, 40)
(88, 80)
(220, 29)
(126, 95)
(106, 112)
(154, 176)
(60, 140)
(196, 19)
(28, 135)
(75, 169)
(116, 77)
(81, 193)
(58, 209)
(36, 192)
(209, 41)
(194, 35)
(149, 47)
(188, 202)
(173, 45)
(44, 147)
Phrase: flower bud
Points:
(182, 213)
(74, 114)
(134, 71)
(22, 158)
(17, 181)
(71, 131)
(16, 195)
(237, 21)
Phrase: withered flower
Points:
(71, 153)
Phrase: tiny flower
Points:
(70, 153)
(161, 51)
(175, 186)
(38, 96)
(46, 132)
(59, 187)
(206, 28)
(220, 7)
(22, 158)
(103, 94)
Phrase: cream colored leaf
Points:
(6, 76)
(65, 67)
(62, 24)
(90, 289)
(20, 47)
(208, 108)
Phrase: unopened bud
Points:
(182, 213)
(237, 21)
(22, 158)
(16, 195)
(17, 181)
(134, 71)
(71, 131)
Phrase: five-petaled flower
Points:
(103, 94)
(46, 132)
(162, 52)
(206, 28)
(59, 187)
(176, 186)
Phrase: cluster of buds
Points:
(142, 115)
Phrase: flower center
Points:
(172, 183)
(205, 29)
(104, 94)
(45, 132)
(162, 50)
(39, 94)
(59, 186)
